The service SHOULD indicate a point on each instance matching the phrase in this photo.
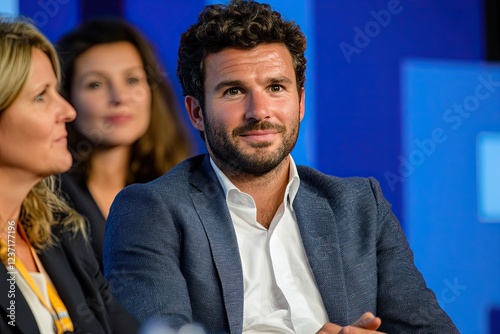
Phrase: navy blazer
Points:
(80, 199)
(172, 242)
(79, 282)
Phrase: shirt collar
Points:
(291, 188)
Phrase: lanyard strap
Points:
(58, 310)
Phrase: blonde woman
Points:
(50, 281)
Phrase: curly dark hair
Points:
(242, 24)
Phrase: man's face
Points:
(252, 108)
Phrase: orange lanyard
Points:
(58, 310)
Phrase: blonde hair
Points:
(43, 207)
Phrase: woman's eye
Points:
(132, 80)
(94, 85)
(39, 97)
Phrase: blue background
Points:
(381, 73)
(457, 252)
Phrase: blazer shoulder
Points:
(180, 174)
(78, 196)
(324, 184)
(361, 195)
(177, 182)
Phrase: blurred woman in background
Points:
(50, 281)
(128, 128)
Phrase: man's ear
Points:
(195, 113)
(302, 103)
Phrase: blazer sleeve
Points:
(404, 303)
(142, 255)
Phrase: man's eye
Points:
(276, 88)
(233, 91)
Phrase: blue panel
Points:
(488, 176)
(494, 321)
(446, 107)
(10, 7)
(360, 46)
(53, 17)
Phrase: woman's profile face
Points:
(111, 95)
(33, 137)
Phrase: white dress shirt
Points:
(42, 316)
(281, 295)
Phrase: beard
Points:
(224, 147)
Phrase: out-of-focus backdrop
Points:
(407, 91)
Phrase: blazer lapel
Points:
(211, 207)
(70, 279)
(24, 320)
(319, 234)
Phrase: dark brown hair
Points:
(166, 141)
(240, 24)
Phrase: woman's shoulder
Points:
(71, 187)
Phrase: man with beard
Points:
(242, 240)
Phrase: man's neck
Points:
(267, 190)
